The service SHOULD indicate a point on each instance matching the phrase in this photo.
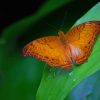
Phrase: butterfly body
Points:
(68, 49)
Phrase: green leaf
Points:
(20, 77)
(55, 85)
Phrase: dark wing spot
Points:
(89, 42)
(46, 57)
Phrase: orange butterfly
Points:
(65, 50)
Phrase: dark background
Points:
(11, 11)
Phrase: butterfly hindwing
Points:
(83, 38)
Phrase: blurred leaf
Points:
(57, 87)
(19, 76)
(22, 26)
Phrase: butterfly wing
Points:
(48, 49)
(81, 39)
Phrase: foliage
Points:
(20, 77)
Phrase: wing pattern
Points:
(68, 49)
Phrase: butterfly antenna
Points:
(51, 26)
(62, 24)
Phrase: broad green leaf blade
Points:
(23, 25)
(57, 87)
(21, 77)
(93, 14)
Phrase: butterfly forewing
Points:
(48, 49)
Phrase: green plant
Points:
(58, 86)
(20, 77)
